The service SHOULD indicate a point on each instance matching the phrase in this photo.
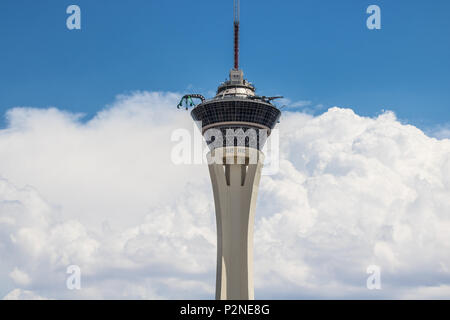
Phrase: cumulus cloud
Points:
(20, 277)
(441, 132)
(304, 106)
(103, 194)
(18, 294)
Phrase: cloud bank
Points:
(104, 195)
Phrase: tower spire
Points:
(236, 33)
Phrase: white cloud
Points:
(441, 132)
(18, 294)
(436, 293)
(299, 104)
(288, 103)
(305, 106)
(20, 277)
(103, 195)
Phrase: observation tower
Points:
(235, 124)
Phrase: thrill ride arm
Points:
(264, 98)
(187, 99)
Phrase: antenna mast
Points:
(236, 33)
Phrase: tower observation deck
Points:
(234, 107)
(235, 124)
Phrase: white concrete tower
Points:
(235, 184)
(235, 124)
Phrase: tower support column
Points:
(235, 180)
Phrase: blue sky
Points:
(319, 51)
(351, 192)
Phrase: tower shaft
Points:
(235, 124)
(235, 188)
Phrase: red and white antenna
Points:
(236, 33)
